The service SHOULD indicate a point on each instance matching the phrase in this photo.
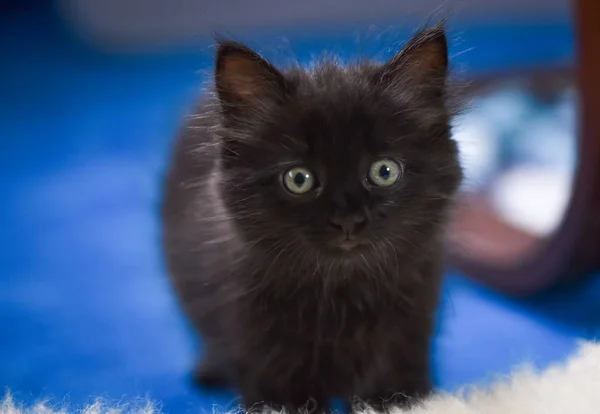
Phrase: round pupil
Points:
(384, 172)
(299, 179)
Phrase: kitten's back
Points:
(198, 236)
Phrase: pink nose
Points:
(348, 224)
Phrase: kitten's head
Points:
(338, 160)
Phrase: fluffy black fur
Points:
(301, 298)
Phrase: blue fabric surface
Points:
(85, 307)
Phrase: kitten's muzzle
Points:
(348, 224)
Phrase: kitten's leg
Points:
(390, 391)
(386, 399)
(311, 407)
(210, 373)
(292, 401)
(405, 378)
(404, 394)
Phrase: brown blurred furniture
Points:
(489, 250)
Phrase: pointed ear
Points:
(244, 80)
(423, 61)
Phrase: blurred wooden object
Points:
(485, 248)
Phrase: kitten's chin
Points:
(348, 245)
(339, 247)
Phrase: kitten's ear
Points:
(244, 80)
(423, 61)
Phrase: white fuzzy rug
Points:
(572, 387)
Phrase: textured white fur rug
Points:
(572, 387)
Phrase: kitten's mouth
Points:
(347, 242)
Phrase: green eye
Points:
(298, 180)
(384, 173)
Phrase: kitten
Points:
(303, 220)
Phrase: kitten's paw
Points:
(384, 402)
(311, 407)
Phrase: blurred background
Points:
(91, 96)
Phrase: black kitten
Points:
(303, 222)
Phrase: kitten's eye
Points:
(384, 172)
(298, 180)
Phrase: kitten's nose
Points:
(348, 223)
